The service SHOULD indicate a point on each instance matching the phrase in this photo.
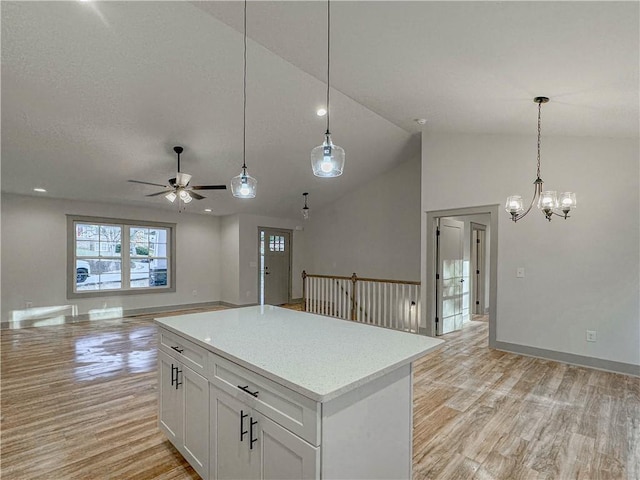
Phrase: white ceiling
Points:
(95, 93)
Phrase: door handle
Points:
(243, 432)
(253, 440)
(177, 382)
(267, 273)
(246, 389)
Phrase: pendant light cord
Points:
(539, 110)
(328, 57)
(244, 96)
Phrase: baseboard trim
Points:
(83, 317)
(570, 358)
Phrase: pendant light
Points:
(327, 160)
(244, 185)
(548, 201)
(305, 209)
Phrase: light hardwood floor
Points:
(79, 401)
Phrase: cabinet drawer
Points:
(293, 411)
(190, 354)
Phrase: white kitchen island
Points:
(271, 393)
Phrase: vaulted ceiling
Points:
(95, 93)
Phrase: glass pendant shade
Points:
(567, 201)
(171, 197)
(305, 213)
(514, 204)
(548, 200)
(327, 160)
(244, 185)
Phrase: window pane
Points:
(110, 233)
(85, 248)
(158, 235)
(139, 273)
(158, 273)
(86, 232)
(110, 249)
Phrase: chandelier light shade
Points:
(327, 160)
(549, 202)
(305, 209)
(244, 185)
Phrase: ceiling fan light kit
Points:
(548, 201)
(179, 187)
(327, 160)
(244, 185)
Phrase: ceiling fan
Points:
(179, 186)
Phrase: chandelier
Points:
(548, 200)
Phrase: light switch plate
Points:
(520, 272)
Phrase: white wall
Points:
(582, 273)
(240, 256)
(373, 231)
(34, 246)
(229, 258)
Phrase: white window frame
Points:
(125, 256)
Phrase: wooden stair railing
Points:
(383, 302)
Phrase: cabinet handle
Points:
(246, 389)
(173, 369)
(177, 382)
(243, 432)
(253, 440)
(178, 349)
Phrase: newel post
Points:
(354, 279)
(304, 289)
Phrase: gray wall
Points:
(373, 231)
(34, 245)
(582, 273)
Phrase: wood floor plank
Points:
(79, 401)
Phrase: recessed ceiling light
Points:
(420, 121)
(321, 112)
(41, 190)
(207, 209)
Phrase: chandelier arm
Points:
(536, 194)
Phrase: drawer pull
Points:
(243, 432)
(246, 389)
(253, 440)
(178, 349)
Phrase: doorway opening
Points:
(274, 278)
(461, 269)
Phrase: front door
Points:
(449, 277)
(275, 266)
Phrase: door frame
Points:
(429, 292)
(261, 273)
(477, 227)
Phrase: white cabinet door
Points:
(196, 420)
(170, 398)
(282, 454)
(231, 456)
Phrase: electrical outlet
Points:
(28, 304)
(591, 335)
(520, 272)
(194, 293)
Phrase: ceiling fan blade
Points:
(146, 183)
(209, 187)
(158, 193)
(195, 195)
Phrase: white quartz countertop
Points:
(319, 357)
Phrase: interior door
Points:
(276, 272)
(231, 457)
(478, 268)
(449, 277)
